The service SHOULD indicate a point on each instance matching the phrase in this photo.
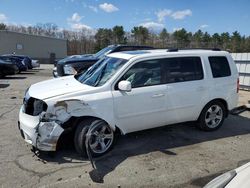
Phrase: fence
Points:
(242, 61)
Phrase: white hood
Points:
(55, 87)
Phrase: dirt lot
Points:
(171, 156)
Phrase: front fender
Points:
(63, 110)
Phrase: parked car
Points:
(80, 63)
(128, 92)
(7, 68)
(238, 177)
(18, 62)
(26, 59)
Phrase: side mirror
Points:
(124, 86)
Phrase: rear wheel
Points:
(101, 139)
(212, 116)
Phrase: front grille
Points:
(59, 68)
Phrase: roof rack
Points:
(176, 49)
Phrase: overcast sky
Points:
(211, 15)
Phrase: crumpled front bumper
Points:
(41, 135)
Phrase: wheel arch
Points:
(223, 101)
(74, 121)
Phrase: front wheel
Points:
(101, 139)
(212, 116)
(2, 75)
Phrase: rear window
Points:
(219, 66)
(182, 69)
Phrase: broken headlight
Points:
(39, 107)
(34, 107)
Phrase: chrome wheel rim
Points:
(214, 116)
(101, 139)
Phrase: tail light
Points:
(238, 85)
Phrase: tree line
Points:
(89, 41)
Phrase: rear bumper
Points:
(41, 135)
(233, 102)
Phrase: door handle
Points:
(158, 95)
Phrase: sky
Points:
(211, 15)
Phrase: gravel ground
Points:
(171, 156)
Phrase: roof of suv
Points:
(164, 52)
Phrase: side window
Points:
(219, 66)
(182, 69)
(146, 73)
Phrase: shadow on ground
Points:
(37, 69)
(160, 139)
(2, 86)
(16, 77)
(26, 73)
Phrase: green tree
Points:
(225, 39)
(197, 38)
(103, 38)
(206, 40)
(236, 41)
(182, 38)
(3, 26)
(140, 34)
(216, 40)
(247, 45)
(164, 36)
(118, 34)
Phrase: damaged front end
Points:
(37, 127)
(48, 134)
(41, 123)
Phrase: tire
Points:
(212, 116)
(2, 75)
(101, 141)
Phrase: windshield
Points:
(103, 52)
(101, 71)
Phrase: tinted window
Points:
(146, 73)
(219, 66)
(182, 69)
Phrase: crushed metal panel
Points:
(49, 133)
(63, 110)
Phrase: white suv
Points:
(131, 91)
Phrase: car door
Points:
(144, 106)
(186, 90)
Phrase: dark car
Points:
(17, 61)
(7, 68)
(26, 59)
(80, 63)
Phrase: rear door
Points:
(186, 88)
